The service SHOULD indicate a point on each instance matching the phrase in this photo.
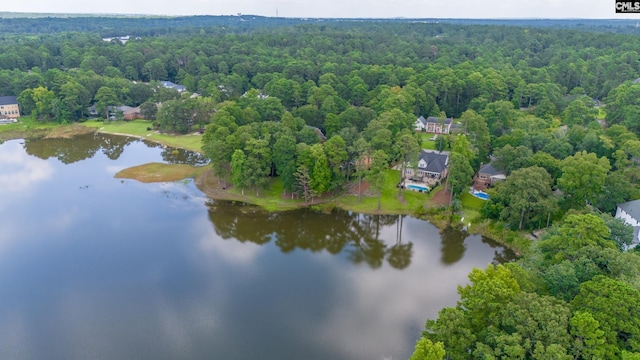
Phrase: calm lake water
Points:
(93, 267)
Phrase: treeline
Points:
(442, 67)
(145, 25)
(526, 96)
(574, 297)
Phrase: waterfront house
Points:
(487, 176)
(432, 167)
(9, 108)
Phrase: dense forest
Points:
(319, 104)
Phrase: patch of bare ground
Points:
(68, 131)
(362, 188)
(442, 197)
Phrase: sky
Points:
(594, 9)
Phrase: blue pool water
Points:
(481, 195)
(417, 187)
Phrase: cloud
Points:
(20, 172)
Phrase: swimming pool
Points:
(415, 187)
(480, 194)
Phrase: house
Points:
(434, 125)
(9, 108)
(432, 167)
(92, 110)
(487, 176)
(170, 85)
(629, 212)
(130, 113)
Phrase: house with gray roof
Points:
(9, 108)
(488, 175)
(434, 125)
(432, 166)
(170, 85)
(629, 212)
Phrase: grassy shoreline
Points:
(416, 204)
(140, 130)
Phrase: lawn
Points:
(26, 127)
(471, 202)
(426, 141)
(139, 128)
(269, 198)
(390, 202)
(471, 207)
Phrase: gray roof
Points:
(436, 161)
(632, 208)
(433, 119)
(8, 100)
(489, 169)
(171, 85)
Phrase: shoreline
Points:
(438, 215)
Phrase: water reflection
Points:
(84, 147)
(20, 171)
(358, 236)
(501, 255)
(453, 247)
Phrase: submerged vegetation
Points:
(160, 172)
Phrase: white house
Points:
(434, 125)
(629, 212)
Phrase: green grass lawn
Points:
(390, 202)
(138, 128)
(25, 127)
(269, 198)
(427, 143)
(471, 207)
(471, 202)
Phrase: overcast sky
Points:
(333, 8)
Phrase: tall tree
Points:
(335, 150)
(583, 178)
(525, 199)
(476, 129)
(258, 164)
(284, 158)
(238, 169)
(427, 350)
(460, 174)
(616, 307)
(408, 150)
(376, 174)
(105, 98)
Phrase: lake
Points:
(93, 267)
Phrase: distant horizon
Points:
(115, 14)
(331, 9)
